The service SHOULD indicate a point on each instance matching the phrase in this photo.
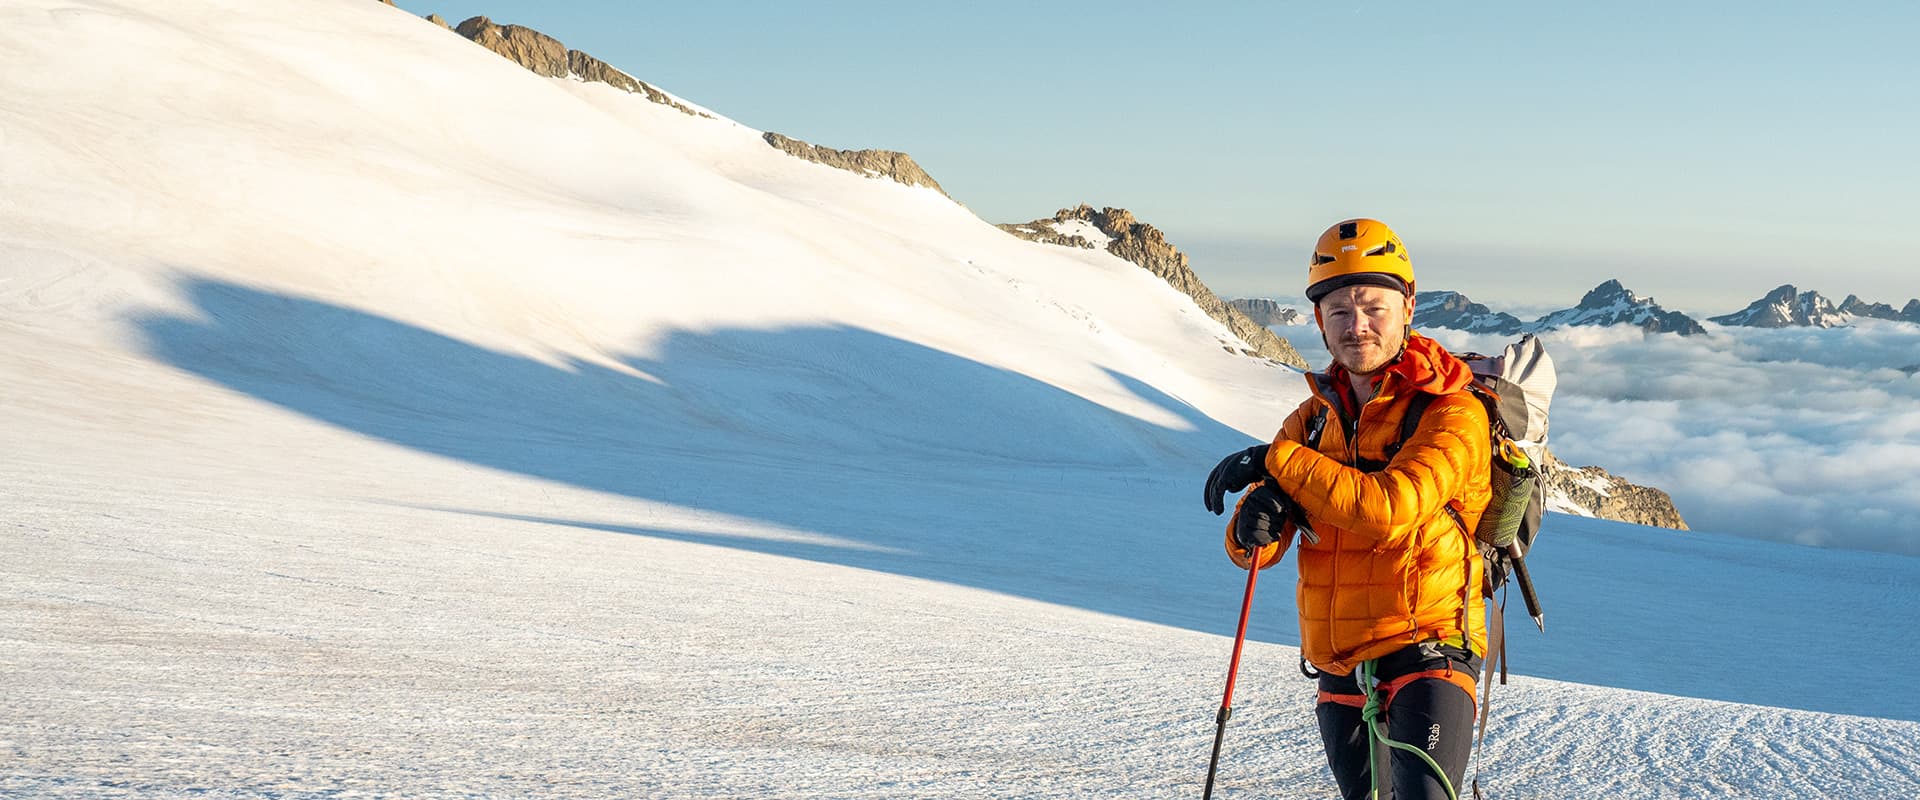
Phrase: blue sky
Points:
(1703, 153)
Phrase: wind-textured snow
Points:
(382, 419)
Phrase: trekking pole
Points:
(1520, 576)
(1233, 669)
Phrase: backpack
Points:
(1517, 388)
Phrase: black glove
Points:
(1263, 516)
(1235, 472)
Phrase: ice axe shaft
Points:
(1521, 577)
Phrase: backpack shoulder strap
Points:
(1416, 408)
(1316, 425)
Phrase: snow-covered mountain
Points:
(1452, 310)
(383, 418)
(1787, 306)
(1610, 303)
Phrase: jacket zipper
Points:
(1350, 428)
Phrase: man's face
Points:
(1364, 326)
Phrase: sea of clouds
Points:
(1795, 434)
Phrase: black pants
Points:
(1429, 713)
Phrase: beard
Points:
(1363, 355)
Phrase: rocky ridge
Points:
(1268, 312)
(890, 164)
(1446, 309)
(1147, 247)
(545, 55)
(1593, 492)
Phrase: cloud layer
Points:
(1799, 435)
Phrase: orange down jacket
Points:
(1392, 567)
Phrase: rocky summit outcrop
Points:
(538, 52)
(1147, 247)
(545, 55)
(1786, 307)
(1445, 309)
(440, 21)
(890, 164)
(1592, 491)
(1268, 312)
(1611, 303)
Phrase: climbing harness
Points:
(1378, 696)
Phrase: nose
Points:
(1357, 325)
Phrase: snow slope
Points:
(381, 418)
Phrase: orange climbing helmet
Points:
(1358, 252)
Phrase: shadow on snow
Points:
(929, 464)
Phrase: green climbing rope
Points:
(1377, 734)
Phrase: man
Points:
(1383, 472)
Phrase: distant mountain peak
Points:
(1853, 306)
(1787, 306)
(1612, 303)
(1269, 312)
(1611, 292)
(1450, 309)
